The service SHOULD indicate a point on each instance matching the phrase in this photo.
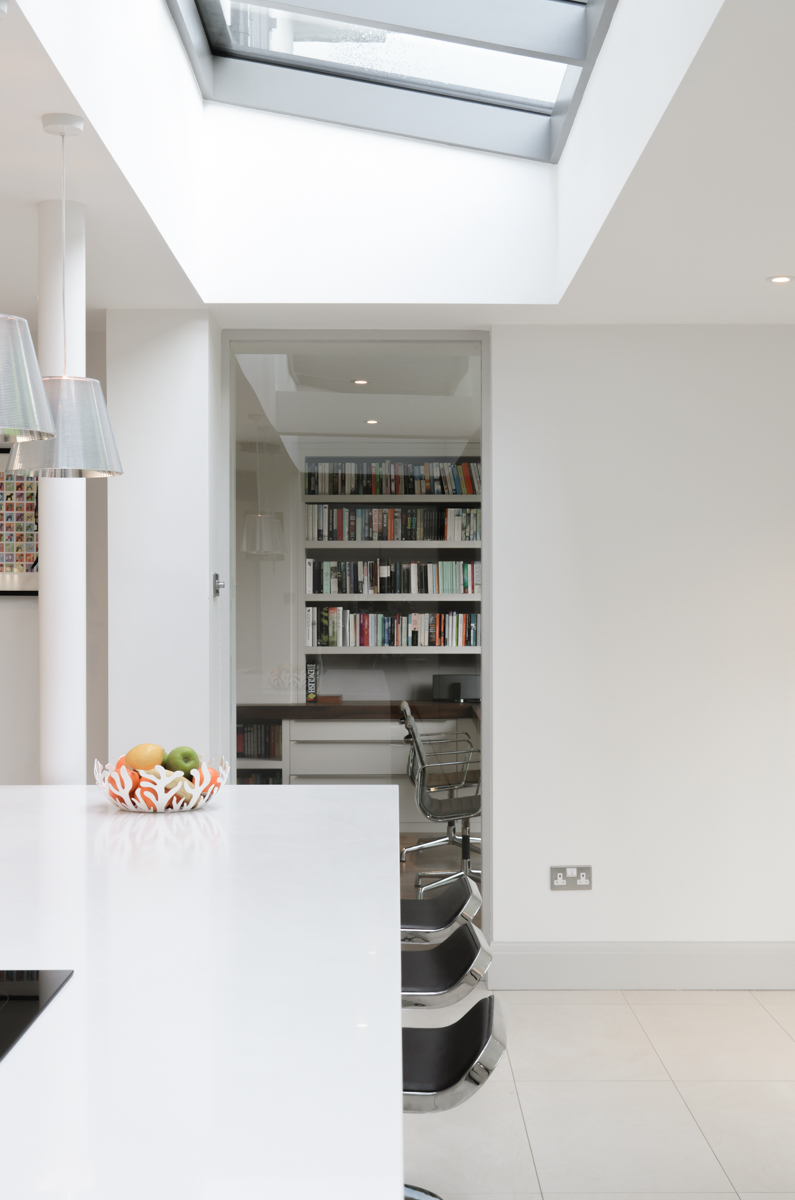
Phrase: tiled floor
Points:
(632, 1095)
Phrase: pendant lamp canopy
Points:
(83, 447)
(263, 531)
(24, 412)
(262, 535)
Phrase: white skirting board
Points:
(663, 965)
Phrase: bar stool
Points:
(444, 1067)
(444, 973)
(432, 919)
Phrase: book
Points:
(348, 627)
(327, 523)
(380, 577)
(398, 478)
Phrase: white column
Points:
(62, 513)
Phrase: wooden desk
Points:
(232, 1028)
(364, 710)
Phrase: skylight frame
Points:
(570, 32)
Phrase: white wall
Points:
(19, 689)
(162, 375)
(647, 51)
(644, 634)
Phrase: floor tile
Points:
(784, 1014)
(507, 1196)
(640, 1196)
(570, 1041)
(766, 1196)
(712, 1042)
(751, 1128)
(480, 1145)
(675, 997)
(560, 997)
(617, 1137)
(777, 998)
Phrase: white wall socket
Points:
(570, 879)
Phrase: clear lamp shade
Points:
(25, 415)
(83, 447)
(262, 535)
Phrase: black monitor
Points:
(462, 688)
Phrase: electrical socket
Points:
(570, 879)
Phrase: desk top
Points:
(357, 710)
(232, 1028)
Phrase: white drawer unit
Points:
(358, 752)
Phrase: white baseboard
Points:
(542, 965)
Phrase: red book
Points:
(468, 478)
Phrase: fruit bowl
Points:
(159, 790)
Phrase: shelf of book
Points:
(319, 651)
(270, 763)
(458, 500)
(392, 598)
(407, 545)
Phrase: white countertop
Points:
(232, 1028)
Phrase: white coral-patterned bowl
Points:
(160, 790)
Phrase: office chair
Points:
(445, 772)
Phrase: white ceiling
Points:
(128, 265)
(707, 214)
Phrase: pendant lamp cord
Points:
(63, 245)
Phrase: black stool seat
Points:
(443, 1067)
(443, 973)
(428, 920)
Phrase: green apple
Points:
(183, 759)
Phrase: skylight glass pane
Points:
(405, 59)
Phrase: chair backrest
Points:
(443, 974)
(430, 920)
(445, 1066)
(445, 776)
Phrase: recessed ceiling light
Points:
(372, 422)
(361, 382)
(779, 278)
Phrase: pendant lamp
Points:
(262, 532)
(24, 412)
(83, 446)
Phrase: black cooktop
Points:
(23, 995)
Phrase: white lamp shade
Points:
(262, 535)
(83, 447)
(25, 415)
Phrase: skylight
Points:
(409, 60)
(504, 76)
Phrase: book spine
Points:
(311, 683)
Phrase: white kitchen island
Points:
(232, 1028)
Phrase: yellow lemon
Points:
(145, 757)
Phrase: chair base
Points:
(442, 878)
(417, 1193)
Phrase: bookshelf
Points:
(259, 749)
(409, 651)
(363, 488)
